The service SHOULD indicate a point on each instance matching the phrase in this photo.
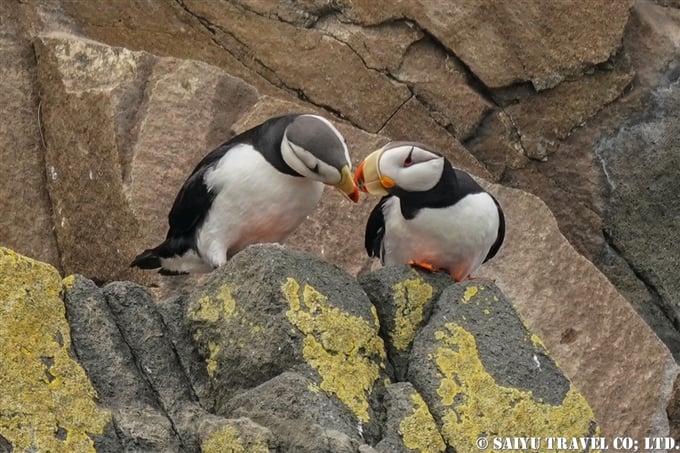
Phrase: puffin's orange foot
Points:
(422, 265)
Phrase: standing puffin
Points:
(257, 187)
(431, 215)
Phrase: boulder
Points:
(269, 311)
(441, 83)
(333, 74)
(482, 372)
(127, 387)
(409, 426)
(48, 403)
(403, 298)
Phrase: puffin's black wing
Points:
(375, 230)
(192, 203)
(501, 233)
(188, 211)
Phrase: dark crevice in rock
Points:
(656, 297)
(203, 21)
(147, 378)
(382, 127)
(474, 82)
(478, 86)
(5, 446)
(246, 54)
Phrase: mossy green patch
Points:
(410, 298)
(475, 404)
(419, 430)
(345, 349)
(228, 439)
(43, 389)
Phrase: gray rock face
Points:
(642, 167)
(409, 426)
(269, 311)
(404, 298)
(290, 342)
(111, 363)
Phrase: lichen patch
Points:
(44, 391)
(474, 404)
(410, 298)
(344, 349)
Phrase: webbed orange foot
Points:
(422, 265)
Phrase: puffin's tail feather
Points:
(148, 259)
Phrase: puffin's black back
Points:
(501, 232)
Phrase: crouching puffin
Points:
(257, 187)
(431, 215)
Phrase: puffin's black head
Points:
(315, 149)
(400, 167)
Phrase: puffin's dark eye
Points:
(409, 161)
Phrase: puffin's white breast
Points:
(255, 203)
(456, 238)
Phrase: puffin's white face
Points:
(409, 166)
(315, 149)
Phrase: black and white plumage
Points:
(431, 215)
(257, 187)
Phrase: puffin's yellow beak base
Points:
(368, 177)
(346, 186)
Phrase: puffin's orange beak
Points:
(346, 186)
(359, 177)
(368, 178)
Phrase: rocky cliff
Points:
(277, 351)
(567, 111)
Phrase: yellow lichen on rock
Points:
(43, 389)
(419, 430)
(211, 308)
(228, 439)
(410, 298)
(475, 404)
(211, 362)
(470, 292)
(345, 349)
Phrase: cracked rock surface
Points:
(109, 105)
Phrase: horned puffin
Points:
(257, 187)
(431, 215)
